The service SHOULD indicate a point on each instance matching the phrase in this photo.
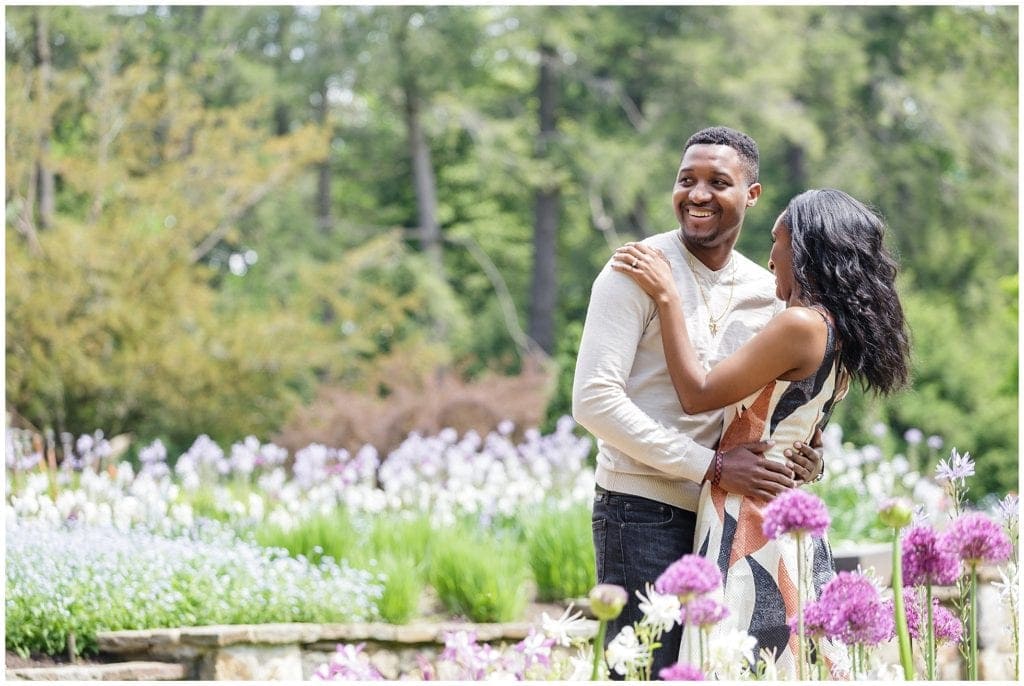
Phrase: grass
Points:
(480, 576)
(561, 553)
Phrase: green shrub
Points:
(316, 536)
(403, 579)
(561, 552)
(479, 576)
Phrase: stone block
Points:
(995, 665)
(253, 663)
(284, 633)
(118, 671)
(216, 635)
(995, 628)
(418, 633)
(135, 641)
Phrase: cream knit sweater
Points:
(622, 392)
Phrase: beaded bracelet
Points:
(717, 475)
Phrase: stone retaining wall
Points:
(292, 652)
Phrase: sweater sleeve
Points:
(616, 318)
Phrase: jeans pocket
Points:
(643, 511)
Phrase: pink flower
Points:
(349, 663)
(925, 562)
(976, 539)
(795, 512)
(947, 625)
(688, 577)
(916, 618)
(815, 619)
(703, 612)
(851, 610)
(681, 672)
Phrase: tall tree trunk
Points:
(796, 166)
(324, 220)
(544, 285)
(46, 185)
(422, 167)
(638, 218)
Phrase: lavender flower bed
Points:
(83, 579)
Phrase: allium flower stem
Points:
(901, 612)
(602, 627)
(819, 659)
(972, 663)
(701, 638)
(801, 659)
(929, 645)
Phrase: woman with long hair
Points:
(843, 320)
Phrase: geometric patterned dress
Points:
(760, 574)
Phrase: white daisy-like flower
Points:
(582, 664)
(767, 658)
(661, 611)
(625, 653)
(569, 628)
(1007, 584)
(730, 651)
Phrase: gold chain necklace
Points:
(712, 319)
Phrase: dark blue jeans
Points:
(635, 539)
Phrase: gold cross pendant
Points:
(713, 326)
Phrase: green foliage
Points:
(964, 365)
(478, 576)
(62, 582)
(403, 579)
(180, 138)
(393, 546)
(561, 552)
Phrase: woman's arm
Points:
(792, 344)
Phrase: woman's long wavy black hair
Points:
(841, 263)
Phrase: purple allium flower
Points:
(795, 511)
(977, 539)
(916, 618)
(935, 442)
(925, 562)
(913, 436)
(815, 620)
(703, 612)
(689, 576)
(681, 672)
(852, 611)
(957, 468)
(947, 625)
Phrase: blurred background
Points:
(341, 224)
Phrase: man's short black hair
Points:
(743, 144)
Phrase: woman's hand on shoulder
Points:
(649, 268)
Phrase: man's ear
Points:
(753, 193)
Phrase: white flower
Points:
(1007, 584)
(729, 652)
(660, 611)
(624, 653)
(883, 672)
(771, 672)
(582, 665)
(567, 628)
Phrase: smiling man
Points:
(653, 457)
